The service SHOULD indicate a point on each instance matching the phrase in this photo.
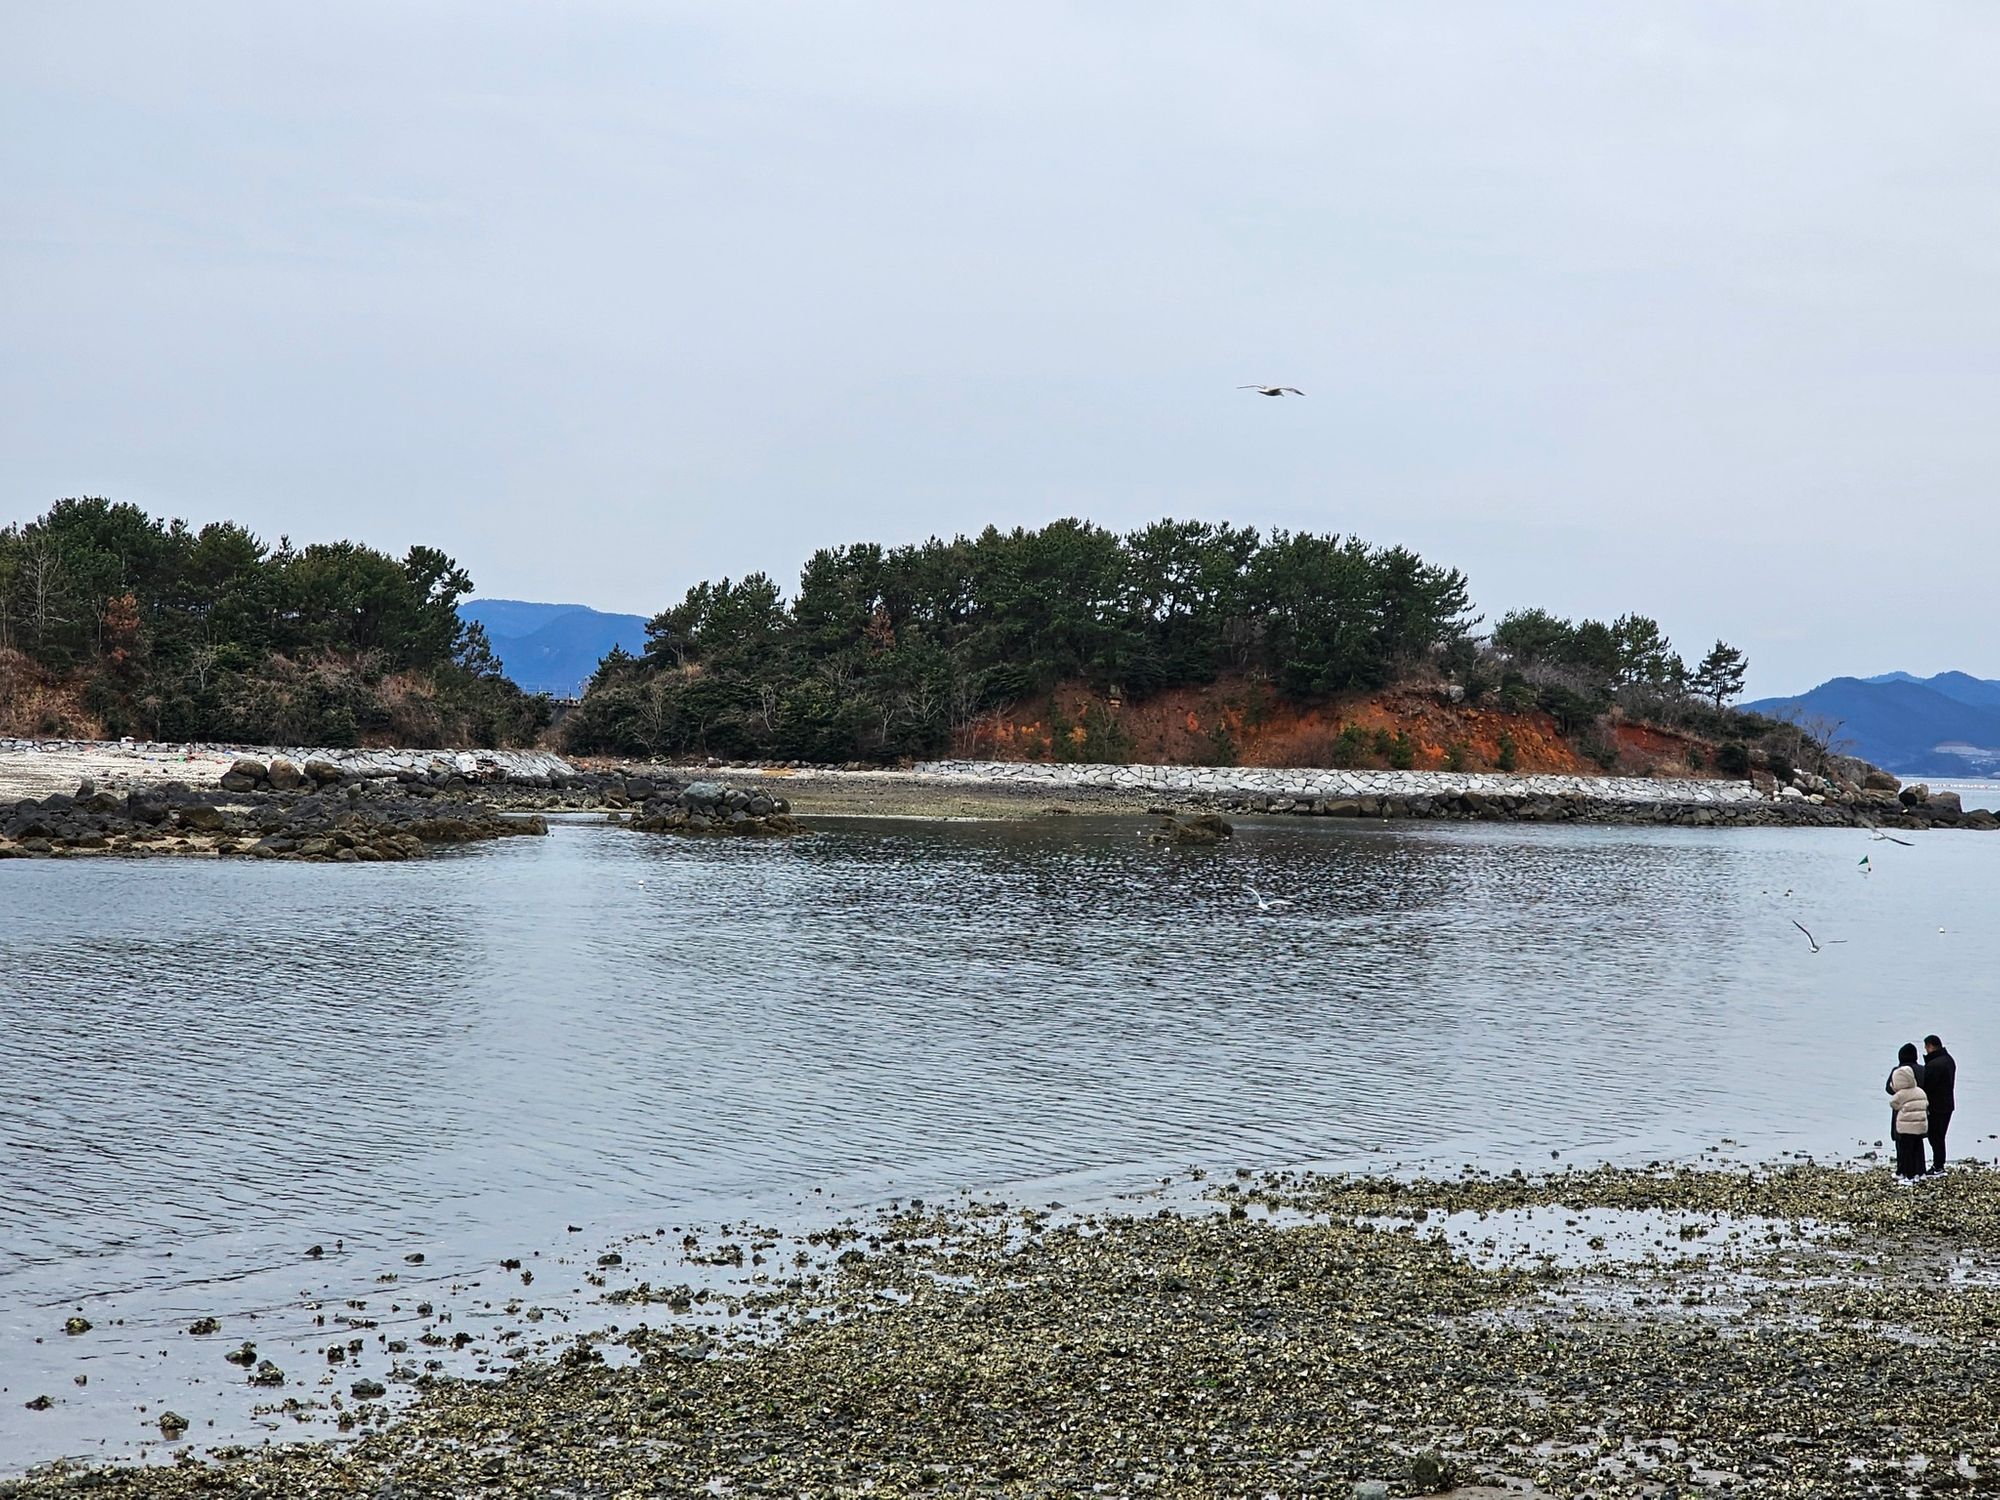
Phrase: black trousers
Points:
(1909, 1155)
(1940, 1123)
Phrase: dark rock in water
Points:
(611, 1258)
(39, 1403)
(245, 1354)
(367, 824)
(76, 1326)
(202, 1326)
(704, 807)
(1915, 796)
(368, 1390)
(172, 1424)
(1947, 802)
(1198, 829)
(267, 1373)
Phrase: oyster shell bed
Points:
(1792, 1330)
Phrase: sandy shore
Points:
(900, 794)
(44, 771)
(1798, 1330)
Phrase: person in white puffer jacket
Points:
(1910, 1110)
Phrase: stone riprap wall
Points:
(200, 763)
(1225, 782)
(474, 765)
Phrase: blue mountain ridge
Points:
(1903, 723)
(552, 648)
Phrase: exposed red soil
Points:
(1243, 722)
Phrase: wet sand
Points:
(902, 794)
(45, 771)
(1799, 1330)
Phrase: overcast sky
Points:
(1687, 309)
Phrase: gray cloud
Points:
(1685, 309)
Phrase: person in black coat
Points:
(1938, 1078)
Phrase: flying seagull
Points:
(1272, 390)
(1262, 905)
(1881, 837)
(1809, 937)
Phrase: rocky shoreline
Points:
(759, 798)
(304, 819)
(1795, 1330)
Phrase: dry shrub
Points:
(33, 705)
(410, 701)
(1313, 747)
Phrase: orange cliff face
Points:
(1243, 722)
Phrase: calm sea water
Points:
(208, 1066)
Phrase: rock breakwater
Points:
(1807, 801)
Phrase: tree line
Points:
(885, 653)
(159, 630)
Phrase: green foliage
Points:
(1508, 754)
(1222, 749)
(1719, 677)
(886, 653)
(1573, 709)
(1350, 747)
(174, 633)
(1105, 741)
(1402, 753)
(1733, 759)
(1457, 756)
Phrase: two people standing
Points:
(1922, 1095)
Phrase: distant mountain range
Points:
(1947, 725)
(553, 648)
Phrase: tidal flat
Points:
(1800, 1330)
(704, 1053)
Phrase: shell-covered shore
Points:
(1801, 1330)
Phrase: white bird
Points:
(1274, 904)
(1272, 390)
(1881, 837)
(1809, 937)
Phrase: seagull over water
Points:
(1272, 390)
(1274, 904)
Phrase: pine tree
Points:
(1720, 675)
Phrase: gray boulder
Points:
(245, 775)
